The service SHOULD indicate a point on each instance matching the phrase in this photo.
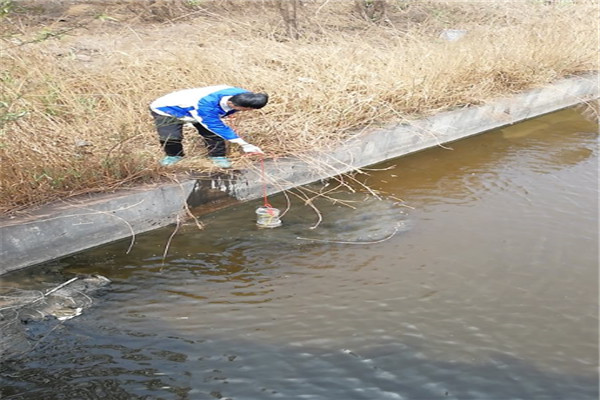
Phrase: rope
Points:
(268, 205)
(233, 123)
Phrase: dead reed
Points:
(74, 106)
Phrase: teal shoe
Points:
(221, 162)
(170, 160)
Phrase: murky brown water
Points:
(488, 289)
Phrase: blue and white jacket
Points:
(206, 105)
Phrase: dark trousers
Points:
(170, 134)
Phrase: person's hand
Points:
(247, 147)
(250, 148)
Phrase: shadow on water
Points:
(230, 239)
(109, 363)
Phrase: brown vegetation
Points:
(77, 77)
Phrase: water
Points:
(475, 277)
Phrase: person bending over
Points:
(203, 107)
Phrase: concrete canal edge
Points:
(59, 230)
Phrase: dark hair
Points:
(250, 100)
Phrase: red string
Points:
(264, 181)
(233, 123)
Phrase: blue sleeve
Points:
(212, 121)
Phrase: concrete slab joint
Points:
(57, 231)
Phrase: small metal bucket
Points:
(267, 217)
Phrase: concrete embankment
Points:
(70, 227)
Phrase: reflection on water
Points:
(488, 290)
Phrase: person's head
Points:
(249, 101)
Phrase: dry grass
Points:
(74, 119)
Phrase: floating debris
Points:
(28, 316)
